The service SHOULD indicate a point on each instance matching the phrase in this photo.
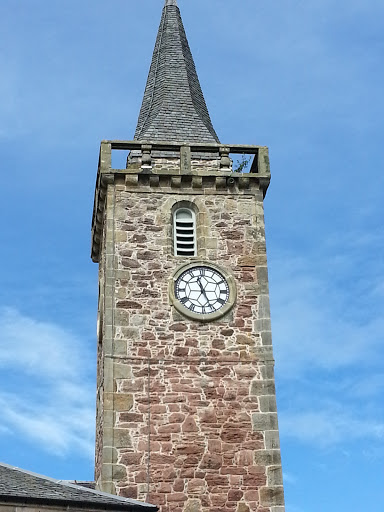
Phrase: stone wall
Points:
(188, 409)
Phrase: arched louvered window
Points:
(184, 232)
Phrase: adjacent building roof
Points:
(173, 108)
(17, 485)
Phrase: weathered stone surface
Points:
(267, 457)
(242, 507)
(271, 496)
(193, 505)
(188, 406)
(272, 441)
(122, 402)
(263, 387)
(211, 462)
(274, 476)
(122, 438)
(128, 492)
(119, 472)
(264, 421)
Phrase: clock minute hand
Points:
(202, 288)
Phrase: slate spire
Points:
(173, 108)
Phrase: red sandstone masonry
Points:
(187, 441)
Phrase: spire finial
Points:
(170, 2)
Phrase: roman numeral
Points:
(184, 300)
(221, 301)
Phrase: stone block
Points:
(120, 348)
(129, 492)
(107, 486)
(123, 274)
(109, 455)
(242, 339)
(264, 307)
(108, 401)
(131, 459)
(108, 344)
(262, 324)
(121, 317)
(106, 472)
(268, 371)
(109, 419)
(108, 315)
(242, 507)
(247, 261)
(119, 472)
(263, 387)
(122, 438)
(272, 441)
(107, 436)
(268, 403)
(210, 243)
(267, 457)
(122, 371)
(123, 402)
(177, 497)
(211, 461)
(271, 496)
(108, 376)
(264, 421)
(121, 236)
(274, 476)
(193, 505)
(196, 486)
(266, 338)
(264, 354)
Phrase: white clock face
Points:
(202, 290)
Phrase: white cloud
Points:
(58, 427)
(328, 339)
(38, 348)
(330, 426)
(325, 308)
(51, 401)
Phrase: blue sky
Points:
(304, 78)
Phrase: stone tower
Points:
(186, 409)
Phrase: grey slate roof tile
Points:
(173, 107)
(17, 485)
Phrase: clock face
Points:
(202, 290)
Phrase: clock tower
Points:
(186, 409)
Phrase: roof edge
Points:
(120, 501)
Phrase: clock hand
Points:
(202, 289)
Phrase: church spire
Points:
(173, 107)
